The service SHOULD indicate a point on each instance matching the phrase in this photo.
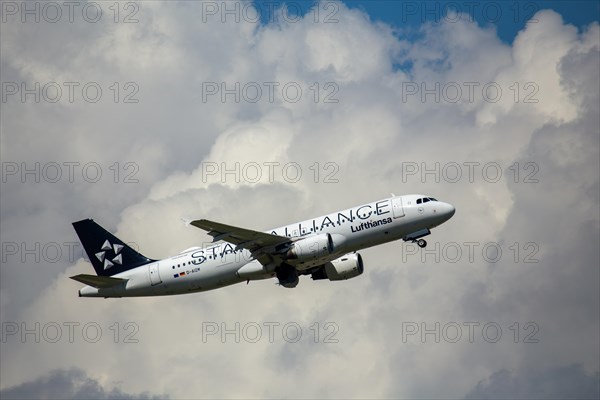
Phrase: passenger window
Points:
(419, 201)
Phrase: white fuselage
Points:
(200, 269)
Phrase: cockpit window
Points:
(432, 199)
(419, 201)
(425, 200)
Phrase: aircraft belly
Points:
(212, 276)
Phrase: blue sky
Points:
(508, 16)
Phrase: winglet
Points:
(186, 221)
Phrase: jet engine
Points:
(345, 267)
(315, 246)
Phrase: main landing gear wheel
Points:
(421, 243)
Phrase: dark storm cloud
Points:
(69, 384)
(565, 382)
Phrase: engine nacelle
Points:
(311, 247)
(255, 270)
(316, 246)
(345, 267)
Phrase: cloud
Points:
(68, 384)
(193, 151)
(565, 382)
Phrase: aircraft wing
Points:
(254, 241)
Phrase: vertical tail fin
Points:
(107, 253)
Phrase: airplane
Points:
(324, 247)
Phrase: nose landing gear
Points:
(417, 237)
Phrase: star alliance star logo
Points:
(117, 259)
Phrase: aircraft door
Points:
(154, 275)
(397, 208)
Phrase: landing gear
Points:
(416, 237)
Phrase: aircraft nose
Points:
(447, 210)
(450, 210)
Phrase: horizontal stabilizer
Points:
(100, 282)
